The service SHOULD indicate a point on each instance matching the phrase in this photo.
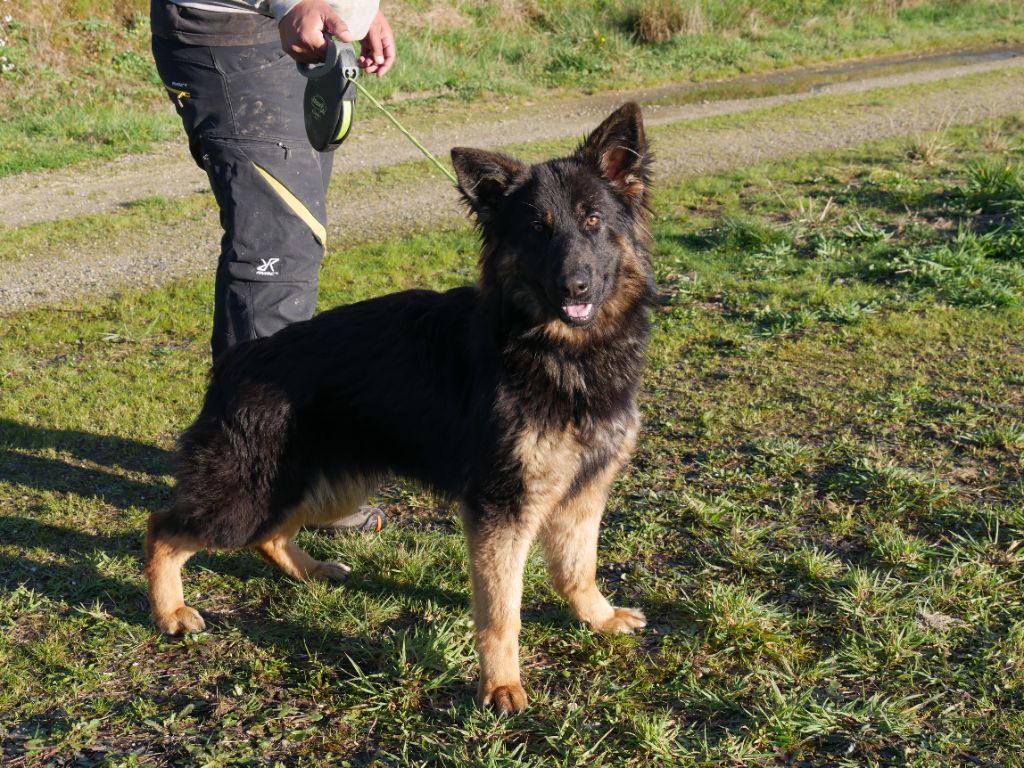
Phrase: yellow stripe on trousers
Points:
(300, 210)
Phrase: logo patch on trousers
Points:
(266, 267)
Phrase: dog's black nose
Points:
(574, 286)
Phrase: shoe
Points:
(368, 519)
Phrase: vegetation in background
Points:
(824, 519)
(76, 78)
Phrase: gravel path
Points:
(167, 252)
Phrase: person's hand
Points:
(302, 31)
(377, 53)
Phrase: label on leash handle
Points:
(329, 102)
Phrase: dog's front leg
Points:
(497, 557)
(570, 548)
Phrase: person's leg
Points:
(272, 211)
(241, 107)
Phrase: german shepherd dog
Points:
(516, 398)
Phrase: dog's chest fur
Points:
(569, 417)
(556, 465)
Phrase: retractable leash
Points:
(329, 103)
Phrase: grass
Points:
(823, 519)
(84, 87)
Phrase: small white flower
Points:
(8, 18)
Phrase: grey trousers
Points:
(241, 107)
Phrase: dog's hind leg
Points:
(283, 552)
(165, 556)
(569, 537)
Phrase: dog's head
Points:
(566, 244)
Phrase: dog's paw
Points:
(506, 699)
(184, 620)
(624, 621)
(329, 571)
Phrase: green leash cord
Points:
(399, 126)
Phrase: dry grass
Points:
(456, 15)
(519, 12)
(927, 148)
(659, 21)
(930, 147)
(994, 140)
(892, 7)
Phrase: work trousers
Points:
(241, 107)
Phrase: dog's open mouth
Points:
(578, 314)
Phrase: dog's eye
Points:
(593, 220)
(538, 226)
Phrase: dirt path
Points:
(166, 253)
(169, 171)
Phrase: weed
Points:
(929, 147)
(1007, 437)
(962, 272)
(661, 20)
(994, 187)
(995, 141)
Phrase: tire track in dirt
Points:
(167, 252)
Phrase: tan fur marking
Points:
(164, 560)
(294, 561)
(549, 462)
(630, 284)
(570, 537)
(324, 503)
(498, 556)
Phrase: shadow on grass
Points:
(76, 580)
(64, 475)
(108, 450)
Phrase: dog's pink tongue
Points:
(578, 311)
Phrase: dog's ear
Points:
(484, 177)
(617, 149)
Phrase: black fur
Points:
(437, 387)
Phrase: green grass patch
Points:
(822, 519)
(86, 87)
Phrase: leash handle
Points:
(349, 69)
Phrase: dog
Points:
(516, 398)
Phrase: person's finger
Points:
(387, 43)
(366, 62)
(309, 46)
(390, 54)
(371, 44)
(337, 27)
